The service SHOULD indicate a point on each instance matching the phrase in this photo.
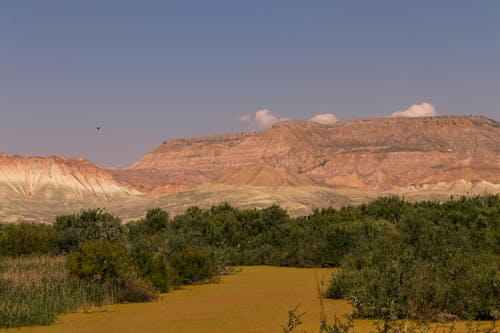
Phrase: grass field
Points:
(34, 290)
(256, 299)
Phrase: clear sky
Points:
(146, 71)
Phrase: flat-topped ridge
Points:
(228, 137)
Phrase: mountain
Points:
(299, 165)
(40, 187)
(57, 178)
(373, 154)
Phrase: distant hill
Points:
(375, 154)
(300, 165)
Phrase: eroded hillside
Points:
(374, 154)
(298, 165)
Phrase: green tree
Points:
(90, 224)
(156, 220)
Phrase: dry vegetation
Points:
(256, 299)
(425, 261)
(34, 290)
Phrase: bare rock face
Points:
(56, 178)
(375, 154)
(298, 165)
(40, 188)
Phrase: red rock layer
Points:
(379, 154)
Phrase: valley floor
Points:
(256, 299)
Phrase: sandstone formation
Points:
(298, 165)
(375, 154)
(57, 177)
(40, 188)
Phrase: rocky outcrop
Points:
(56, 178)
(375, 154)
(298, 165)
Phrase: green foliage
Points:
(192, 266)
(294, 320)
(21, 239)
(418, 260)
(433, 261)
(424, 260)
(155, 268)
(156, 220)
(159, 273)
(92, 224)
(109, 262)
(100, 260)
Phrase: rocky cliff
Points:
(298, 165)
(375, 154)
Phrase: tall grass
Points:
(34, 290)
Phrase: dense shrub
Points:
(154, 267)
(100, 260)
(20, 239)
(191, 266)
(156, 220)
(424, 260)
(134, 289)
(439, 261)
(92, 224)
(105, 261)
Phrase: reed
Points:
(34, 290)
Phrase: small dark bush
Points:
(191, 266)
(134, 289)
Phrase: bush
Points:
(100, 260)
(427, 265)
(91, 224)
(154, 268)
(191, 266)
(104, 261)
(156, 220)
(25, 238)
(133, 289)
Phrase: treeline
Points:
(425, 260)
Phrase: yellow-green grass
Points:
(34, 290)
(256, 299)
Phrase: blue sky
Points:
(146, 71)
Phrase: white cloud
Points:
(263, 118)
(245, 118)
(324, 118)
(417, 110)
